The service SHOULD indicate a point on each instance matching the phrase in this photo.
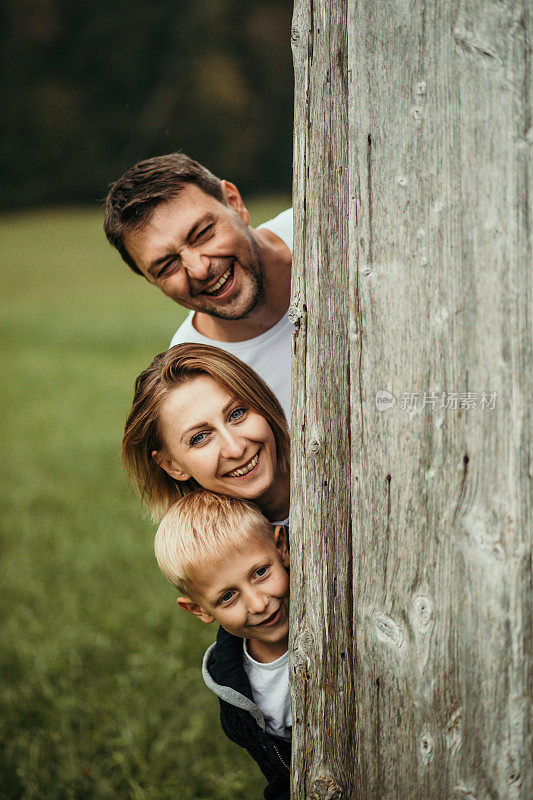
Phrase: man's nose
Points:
(198, 265)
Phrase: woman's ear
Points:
(280, 537)
(193, 608)
(169, 466)
(233, 198)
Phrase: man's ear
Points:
(169, 466)
(233, 198)
(280, 537)
(193, 608)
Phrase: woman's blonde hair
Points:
(167, 371)
(202, 528)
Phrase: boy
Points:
(231, 566)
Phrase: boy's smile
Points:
(247, 592)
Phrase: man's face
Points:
(201, 253)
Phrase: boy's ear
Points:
(280, 537)
(193, 608)
(169, 466)
(233, 198)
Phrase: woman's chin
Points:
(247, 490)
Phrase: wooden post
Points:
(412, 400)
(320, 531)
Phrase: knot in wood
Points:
(324, 788)
(387, 630)
(300, 671)
(297, 662)
(300, 656)
(295, 34)
(454, 731)
(423, 610)
(295, 316)
(314, 445)
(304, 643)
(460, 792)
(426, 748)
(513, 773)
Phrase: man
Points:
(188, 233)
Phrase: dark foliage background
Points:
(88, 88)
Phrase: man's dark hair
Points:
(132, 199)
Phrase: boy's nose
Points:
(257, 602)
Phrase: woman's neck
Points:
(275, 502)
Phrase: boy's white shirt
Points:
(270, 691)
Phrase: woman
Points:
(201, 417)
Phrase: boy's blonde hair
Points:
(203, 526)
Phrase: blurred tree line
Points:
(89, 88)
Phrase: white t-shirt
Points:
(268, 354)
(270, 691)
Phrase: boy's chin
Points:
(273, 637)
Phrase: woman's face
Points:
(211, 437)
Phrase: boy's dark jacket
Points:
(241, 719)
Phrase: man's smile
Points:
(217, 288)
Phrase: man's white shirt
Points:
(269, 354)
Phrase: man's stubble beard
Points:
(254, 273)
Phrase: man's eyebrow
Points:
(207, 217)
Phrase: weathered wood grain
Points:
(320, 530)
(411, 526)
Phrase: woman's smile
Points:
(246, 469)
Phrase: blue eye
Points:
(237, 413)
(226, 597)
(198, 438)
(259, 573)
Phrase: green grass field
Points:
(101, 694)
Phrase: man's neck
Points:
(276, 259)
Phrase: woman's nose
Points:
(233, 446)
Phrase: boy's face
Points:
(247, 591)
